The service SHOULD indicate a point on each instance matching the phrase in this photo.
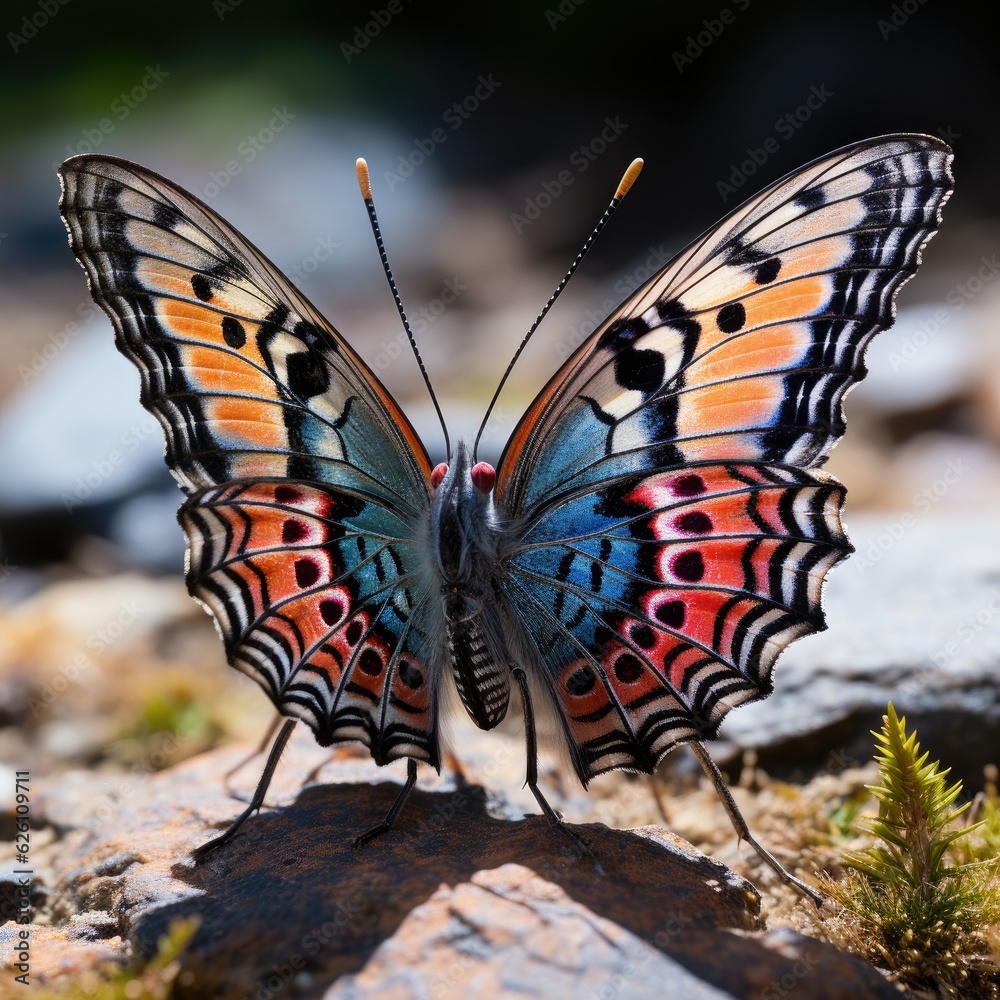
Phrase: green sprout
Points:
(924, 900)
(151, 980)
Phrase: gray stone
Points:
(914, 617)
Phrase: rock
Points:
(89, 457)
(94, 669)
(509, 933)
(914, 617)
(453, 902)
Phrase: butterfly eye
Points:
(437, 474)
(484, 476)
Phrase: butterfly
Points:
(655, 533)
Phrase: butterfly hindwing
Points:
(316, 597)
(660, 602)
(306, 484)
(671, 538)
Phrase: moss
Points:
(923, 900)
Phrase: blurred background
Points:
(471, 121)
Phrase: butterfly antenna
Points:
(364, 180)
(628, 179)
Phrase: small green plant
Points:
(152, 980)
(924, 899)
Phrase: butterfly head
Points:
(464, 516)
(483, 476)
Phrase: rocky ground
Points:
(119, 705)
(460, 900)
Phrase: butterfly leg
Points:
(274, 756)
(531, 776)
(404, 793)
(713, 773)
(268, 736)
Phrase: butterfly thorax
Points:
(465, 536)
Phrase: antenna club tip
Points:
(629, 178)
(364, 180)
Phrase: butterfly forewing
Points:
(743, 346)
(306, 483)
(246, 377)
(670, 540)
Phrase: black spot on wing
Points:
(671, 613)
(562, 574)
(767, 271)
(739, 254)
(202, 286)
(311, 336)
(695, 522)
(273, 322)
(233, 333)
(307, 374)
(810, 198)
(166, 215)
(689, 566)
(628, 669)
(581, 681)
(731, 317)
(640, 370)
(673, 313)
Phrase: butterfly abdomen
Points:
(483, 683)
(465, 533)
